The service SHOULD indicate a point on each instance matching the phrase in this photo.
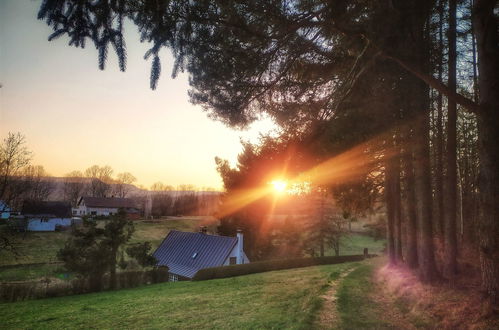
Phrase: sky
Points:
(74, 115)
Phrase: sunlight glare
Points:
(279, 185)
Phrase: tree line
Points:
(97, 181)
(338, 75)
(20, 180)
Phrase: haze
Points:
(74, 115)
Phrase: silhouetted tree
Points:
(14, 157)
(302, 62)
(74, 187)
(93, 251)
(121, 186)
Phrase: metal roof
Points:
(47, 209)
(108, 202)
(185, 253)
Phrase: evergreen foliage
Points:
(93, 251)
(336, 74)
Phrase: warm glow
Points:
(279, 185)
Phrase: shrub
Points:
(269, 265)
(18, 291)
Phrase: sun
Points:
(279, 185)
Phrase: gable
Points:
(185, 253)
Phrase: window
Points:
(93, 213)
(173, 277)
(232, 260)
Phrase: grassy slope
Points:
(356, 307)
(42, 247)
(355, 244)
(281, 299)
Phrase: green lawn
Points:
(355, 244)
(356, 308)
(42, 247)
(280, 299)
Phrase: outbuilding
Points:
(46, 216)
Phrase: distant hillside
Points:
(58, 192)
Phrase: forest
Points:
(395, 98)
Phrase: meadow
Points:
(281, 299)
(37, 251)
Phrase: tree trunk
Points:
(426, 257)
(451, 177)
(397, 202)
(439, 172)
(412, 228)
(417, 13)
(390, 209)
(485, 27)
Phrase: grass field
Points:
(42, 247)
(282, 299)
(355, 244)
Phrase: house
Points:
(185, 253)
(105, 206)
(45, 216)
(4, 210)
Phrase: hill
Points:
(282, 299)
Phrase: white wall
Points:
(37, 224)
(84, 210)
(233, 253)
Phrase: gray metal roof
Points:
(178, 248)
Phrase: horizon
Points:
(158, 136)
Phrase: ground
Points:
(360, 295)
(281, 299)
(38, 250)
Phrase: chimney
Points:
(239, 248)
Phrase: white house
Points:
(4, 210)
(105, 206)
(45, 216)
(185, 253)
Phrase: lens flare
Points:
(279, 185)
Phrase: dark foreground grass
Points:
(356, 308)
(282, 299)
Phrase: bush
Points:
(269, 265)
(18, 291)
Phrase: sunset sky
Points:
(74, 115)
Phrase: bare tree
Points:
(122, 184)
(100, 179)
(74, 186)
(14, 156)
(37, 183)
(159, 186)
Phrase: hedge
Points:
(45, 288)
(269, 265)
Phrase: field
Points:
(38, 250)
(281, 299)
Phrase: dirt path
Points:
(328, 316)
